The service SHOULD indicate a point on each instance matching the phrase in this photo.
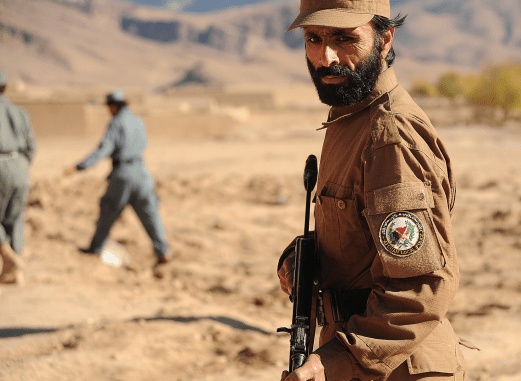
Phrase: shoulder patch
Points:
(402, 234)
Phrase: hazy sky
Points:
(197, 5)
(203, 5)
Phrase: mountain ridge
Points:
(113, 42)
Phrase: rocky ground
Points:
(229, 206)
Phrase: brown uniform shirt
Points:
(385, 195)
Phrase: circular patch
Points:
(402, 234)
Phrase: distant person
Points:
(130, 182)
(17, 149)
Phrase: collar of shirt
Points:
(122, 112)
(386, 82)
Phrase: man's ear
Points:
(387, 41)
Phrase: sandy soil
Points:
(229, 206)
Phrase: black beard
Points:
(360, 83)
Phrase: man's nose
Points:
(329, 56)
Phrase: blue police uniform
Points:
(17, 149)
(130, 182)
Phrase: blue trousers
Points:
(138, 193)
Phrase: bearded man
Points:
(384, 202)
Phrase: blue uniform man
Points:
(17, 149)
(130, 182)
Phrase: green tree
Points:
(470, 84)
(423, 89)
(499, 86)
(450, 85)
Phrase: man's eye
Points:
(313, 39)
(344, 39)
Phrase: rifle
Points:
(303, 324)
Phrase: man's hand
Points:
(286, 274)
(69, 170)
(311, 370)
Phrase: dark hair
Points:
(118, 104)
(2, 89)
(380, 25)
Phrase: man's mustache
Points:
(334, 70)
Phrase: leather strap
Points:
(340, 305)
(115, 163)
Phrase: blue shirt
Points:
(124, 141)
(16, 134)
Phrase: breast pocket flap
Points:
(401, 196)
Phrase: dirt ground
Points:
(229, 206)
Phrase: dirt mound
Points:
(229, 207)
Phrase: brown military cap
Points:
(340, 13)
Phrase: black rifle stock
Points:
(303, 324)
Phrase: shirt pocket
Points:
(340, 234)
(400, 220)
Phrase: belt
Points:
(8, 155)
(336, 305)
(115, 162)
